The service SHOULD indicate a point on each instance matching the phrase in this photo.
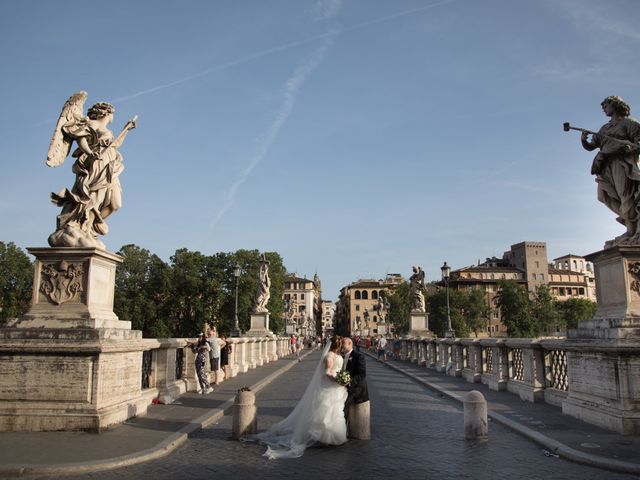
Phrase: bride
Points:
(319, 416)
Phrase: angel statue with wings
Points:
(96, 193)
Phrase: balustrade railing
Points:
(168, 367)
(535, 369)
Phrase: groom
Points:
(357, 391)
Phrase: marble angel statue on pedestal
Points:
(96, 193)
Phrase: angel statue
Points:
(96, 193)
(417, 290)
(264, 285)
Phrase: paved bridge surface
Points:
(417, 432)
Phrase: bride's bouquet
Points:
(343, 378)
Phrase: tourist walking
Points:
(201, 348)
(382, 348)
(225, 352)
(216, 344)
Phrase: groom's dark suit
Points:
(357, 391)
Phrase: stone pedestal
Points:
(259, 325)
(603, 358)
(70, 363)
(419, 325)
(359, 421)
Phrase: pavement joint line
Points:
(161, 449)
(550, 444)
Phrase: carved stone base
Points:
(69, 379)
(72, 288)
(419, 325)
(603, 359)
(259, 325)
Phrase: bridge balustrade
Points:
(534, 369)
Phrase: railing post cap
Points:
(474, 396)
(245, 397)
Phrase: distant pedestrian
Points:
(201, 348)
(382, 348)
(367, 343)
(214, 355)
(292, 344)
(397, 346)
(225, 353)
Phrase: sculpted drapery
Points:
(96, 192)
(616, 167)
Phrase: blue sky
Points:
(355, 137)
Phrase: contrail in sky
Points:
(292, 88)
(286, 46)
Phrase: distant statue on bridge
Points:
(616, 166)
(264, 287)
(382, 307)
(96, 193)
(417, 290)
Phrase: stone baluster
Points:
(472, 371)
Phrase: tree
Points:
(573, 310)
(142, 288)
(400, 307)
(16, 282)
(458, 305)
(515, 308)
(476, 310)
(545, 310)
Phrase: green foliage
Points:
(142, 286)
(476, 310)
(573, 310)
(16, 282)
(400, 307)
(545, 310)
(467, 309)
(193, 291)
(516, 310)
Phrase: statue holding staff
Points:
(96, 193)
(616, 166)
(264, 287)
(417, 290)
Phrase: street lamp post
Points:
(237, 270)
(446, 273)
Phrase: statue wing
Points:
(60, 145)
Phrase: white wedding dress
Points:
(318, 418)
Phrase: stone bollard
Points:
(245, 420)
(359, 421)
(475, 416)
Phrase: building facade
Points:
(526, 263)
(302, 305)
(357, 309)
(328, 317)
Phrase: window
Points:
(534, 276)
(542, 276)
(357, 295)
(365, 295)
(537, 264)
(302, 296)
(375, 318)
(581, 291)
(374, 295)
(357, 308)
(295, 295)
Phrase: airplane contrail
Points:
(286, 46)
(292, 88)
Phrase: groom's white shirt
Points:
(346, 359)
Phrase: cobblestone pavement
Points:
(416, 434)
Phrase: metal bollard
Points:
(359, 421)
(245, 420)
(475, 416)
